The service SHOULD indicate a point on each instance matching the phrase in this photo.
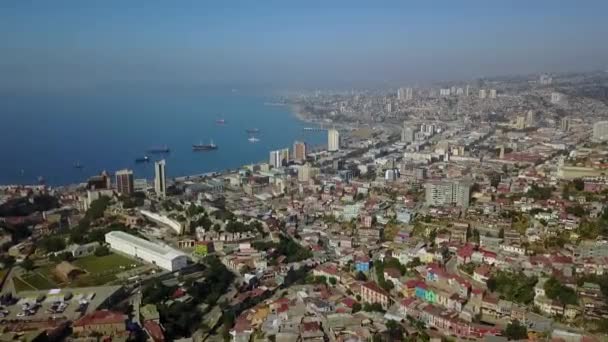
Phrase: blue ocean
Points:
(46, 135)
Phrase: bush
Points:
(102, 251)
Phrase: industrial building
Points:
(161, 255)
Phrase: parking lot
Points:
(58, 304)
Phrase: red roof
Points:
(374, 287)
(466, 251)
(155, 331)
(483, 270)
(179, 292)
(348, 301)
(310, 326)
(412, 283)
(392, 272)
(101, 317)
(407, 301)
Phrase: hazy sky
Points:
(59, 44)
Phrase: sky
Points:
(64, 44)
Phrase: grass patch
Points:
(20, 285)
(111, 263)
(40, 281)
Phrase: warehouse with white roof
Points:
(163, 256)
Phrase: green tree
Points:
(356, 307)
(102, 251)
(52, 244)
(515, 331)
(27, 264)
(360, 276)
(563, 294)
(332, 281)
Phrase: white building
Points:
(304, 173)
(545, 79)
(279, 158)
(448, 192)
(482, 93)
(160, 255)
(556, 97)
(492, 93)
(164, 220)
(444, 92)
(160, 179)
(600, 130)
(333, 140)
(407, 134)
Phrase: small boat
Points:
(145, 159)
(253, 139)
(78, 166)
(252, 130)
(220, 121)
(41, 180)
(159, 150)
(204, 147)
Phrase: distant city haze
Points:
(68, 45)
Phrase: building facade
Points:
(448, 192)
(161, 255)
(160, 178)
(124, 182)
(333, 140)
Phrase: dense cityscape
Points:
(459, 211)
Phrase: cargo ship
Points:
(145, 159)
(159, 150)
(204, 147)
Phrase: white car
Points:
(21, 314)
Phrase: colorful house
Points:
(362, 264)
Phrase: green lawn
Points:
(110, 263)
(20, 285)
(100, 271)
(41, 281)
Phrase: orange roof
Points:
(101, 317)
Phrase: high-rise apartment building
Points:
(401, 94)
(160, 178)
(482, 93)
(556, 97)
(333, 140)
(520, 122)
(600, 131)
(492, 93)
(407, 134)
(564, 124)
(409, 94)
(530, 119)
(278, 158)
(545, 79)
(304, 173)
(448, 192)
(124, 182)
(299, 151)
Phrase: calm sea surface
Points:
(45, 135)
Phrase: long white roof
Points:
(161, 250)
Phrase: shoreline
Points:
(295, 110)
